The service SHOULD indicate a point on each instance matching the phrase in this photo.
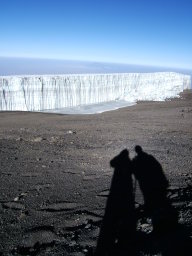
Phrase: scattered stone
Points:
(179, 204)
(38, 139)
(88, 226)
(88, 240)
(37, 239)
(19, 197)
(71, 132)
(147, 228)
(42, 186)
(41, 228)
(53, 139)
(77, 254)
(64, 206)
(29, 174)
(72, 225)
(19, 139)
(181, 220)
(22, 215)
(8, 173)
(89, 177)
(14, 206)
(173, 188)
(80, 221)
(104, 193)
(173, 196)
(72, 243)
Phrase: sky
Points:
(139, 32)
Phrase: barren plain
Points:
(55, 174)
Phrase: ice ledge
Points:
(76, 93)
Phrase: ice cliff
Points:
(37, 93)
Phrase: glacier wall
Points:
(38, 93)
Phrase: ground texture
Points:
(55, 174)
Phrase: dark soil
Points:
(55, 175)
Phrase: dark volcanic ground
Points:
(55, 173)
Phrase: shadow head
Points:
(138, 149)
(120, 159)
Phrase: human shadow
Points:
(119, 223)
(120, 233)
(153, 185)
(169, 237)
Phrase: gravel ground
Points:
(55, 174)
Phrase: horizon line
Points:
(95, 61)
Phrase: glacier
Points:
(57, 93)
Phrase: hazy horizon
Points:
(42, 66)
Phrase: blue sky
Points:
(147, 32)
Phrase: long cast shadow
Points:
(119, 233)
(119, 224)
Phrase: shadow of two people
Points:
(118, 233)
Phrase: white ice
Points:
(92, 108)
(91, 93)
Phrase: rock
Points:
(173, 196)
(146, 227)
(173, 188)
(14, 206)
(104, 193)
(179, 204)
(20, 196)
(81, 221)
(72, 225)
(88, 226)
(30, 174)
(38, 239)
(89, 177)
(64, 206)
(71, 132)
(38, 139)
(72, 243)
(42, 186)
(77, 254)
(19, 139)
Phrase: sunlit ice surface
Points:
(93, 108)
(88, 93)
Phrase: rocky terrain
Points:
(55, 175)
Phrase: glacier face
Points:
(49, 92)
